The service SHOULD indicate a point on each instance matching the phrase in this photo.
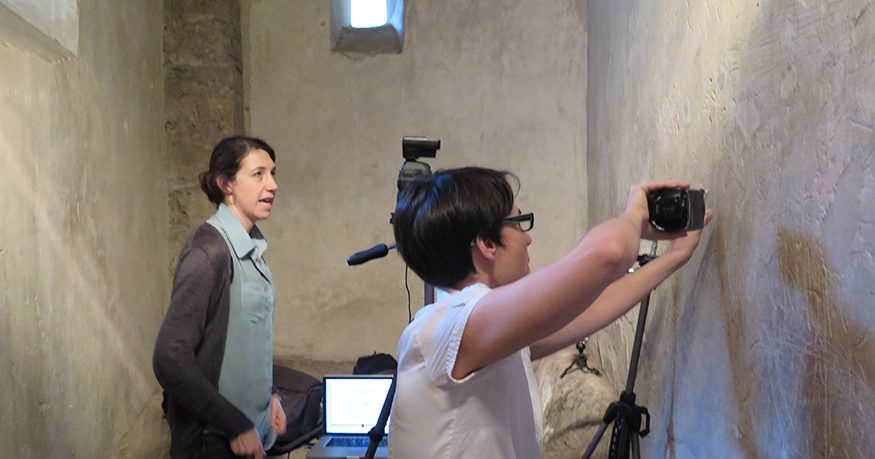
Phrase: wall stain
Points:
(737, 346)
(839, 364)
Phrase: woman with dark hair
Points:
(214, 352)
(465, 385)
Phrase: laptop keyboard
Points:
(355, 441)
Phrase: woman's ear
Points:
(485, 248)
(224, 185)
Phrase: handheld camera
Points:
(677, 209)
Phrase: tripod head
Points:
(645, 258)
(412, 148)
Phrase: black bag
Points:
(375, 364)
(301, 396)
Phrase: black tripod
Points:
(413, 148)
(625, 414)
(376, 433)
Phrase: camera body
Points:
(677, 209)
(414, 148)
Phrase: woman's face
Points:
(512, 257)
(250, 195)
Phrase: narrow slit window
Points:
(367, 26)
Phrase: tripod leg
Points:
(595, 441)
(620, 439)
(376, 433)
(636, 446)
(624, 438)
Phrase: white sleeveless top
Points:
(493, 413)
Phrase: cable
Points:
(407, 287)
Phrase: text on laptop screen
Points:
(353, 405)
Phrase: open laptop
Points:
(352, 405)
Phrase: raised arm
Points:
(621, 296)
(518, 314)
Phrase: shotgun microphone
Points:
(377, 251)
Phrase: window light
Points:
(365, 14)
(367, 26)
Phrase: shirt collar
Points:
(473, 287)
(242, 242)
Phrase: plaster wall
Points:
(501, 84)
(760, 347)
(203, 103)
(50, 24)
(83, 239)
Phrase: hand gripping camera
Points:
(677, 209)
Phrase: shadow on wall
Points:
(839, 363)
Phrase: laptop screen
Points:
(353, 403)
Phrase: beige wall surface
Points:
(83, 240)
(501, 84)
(761, 346)
(52, 24)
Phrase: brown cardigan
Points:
(191, 345)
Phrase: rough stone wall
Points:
(759, 347)
(501, 84)
(574, 399)
(203, 91)
(83, 239)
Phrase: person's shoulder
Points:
(208, 239)
(442, 316)
(468, 296)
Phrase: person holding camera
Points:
(465, 386)
(214, 353)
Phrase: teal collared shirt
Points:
(246, 379)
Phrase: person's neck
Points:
(473, 278)
(247, 224)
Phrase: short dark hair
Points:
(225, 162)
(438, 216)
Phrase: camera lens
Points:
(677, 209)
(668, 209)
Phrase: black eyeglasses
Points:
(525, 221)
